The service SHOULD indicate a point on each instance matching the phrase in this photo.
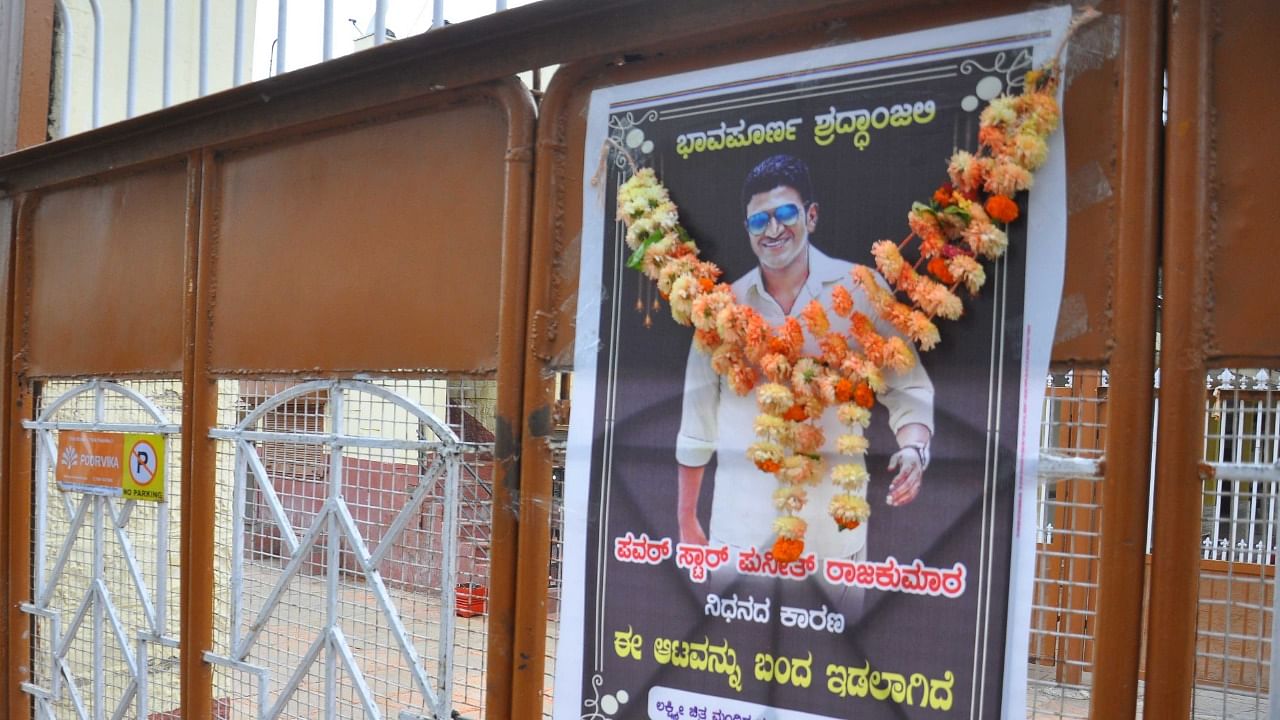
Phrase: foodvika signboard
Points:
(676, 604)
(128, 465)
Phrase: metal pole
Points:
(97, 62)
(168, 53)
(380, 22)
(64, 118)
(205, 49)
(1126, 486)
(328, 29)
(437, 14)
(99, 571)
(333, 547)
(1175, 555)
(135, 31)
(199, 481)
(237, 76)
(282, 30)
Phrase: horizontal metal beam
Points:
(533, 36)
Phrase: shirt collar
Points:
(823, 271)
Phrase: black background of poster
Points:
(863, 196)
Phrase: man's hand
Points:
(906, 485)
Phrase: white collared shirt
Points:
(717, 420)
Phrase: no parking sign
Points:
(128, 465)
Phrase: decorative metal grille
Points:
(104, 639)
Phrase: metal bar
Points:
(135, 573)
(167, 62)
(322, 439)
(44, 593)
(199, 413)
(206, 23)
(135, 33)
(374, 579)
(328, 29)
(73, 689)
(409, 512)
(437, 14)
(449, 580)
(168, 429)
(282, 31)
(237, 546)
(333, 547)
(263, 480)
(295, 680)
(99, 670)
(97, 62)
(40, 485)
(1175, 554)
(117, 627)
(286, 575)
(1122, 551)
(379, 22)
(237, 71)
(338, 641)
(143, 678)
(68, 42)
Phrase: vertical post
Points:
(1175, 555)
(1118, 634)
(167, 100)
(237, 72)
(26, 51)
(518, 564)
(18, 482)
(379, 22)
(333, 547)
(98, 42)
(205, 46)
(199, 414)
(449, 577)
(99, 611)
(282, 31)
(135, 32)
(328, 29)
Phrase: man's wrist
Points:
(922, 451)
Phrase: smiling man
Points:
(780, 216)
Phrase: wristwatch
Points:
(922, 449)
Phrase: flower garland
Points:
(963, 224)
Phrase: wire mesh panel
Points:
(105, 569)
(1238, 535)
(353, 534)
(1068, 511)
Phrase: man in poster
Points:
(781, 215)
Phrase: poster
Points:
(922, 611)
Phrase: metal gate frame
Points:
(333, 520)
(102, 509)
(617, 37)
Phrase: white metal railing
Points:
(1242, 449)
(76, 598)
(229, 44)
(334, 538)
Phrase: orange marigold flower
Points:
(844, 390)
(787, 550)
(1002, 209)
(841, 301)
(796, 413)
(795, 334)
(769, 466)
(938, 267)
(816, 318)
(863, 395)
(707, 284)
(847, 524)
(942, 197)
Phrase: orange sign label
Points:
(123, 464)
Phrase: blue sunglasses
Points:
(788, 215)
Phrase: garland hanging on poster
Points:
(961, 225)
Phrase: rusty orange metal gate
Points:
(238, 242)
